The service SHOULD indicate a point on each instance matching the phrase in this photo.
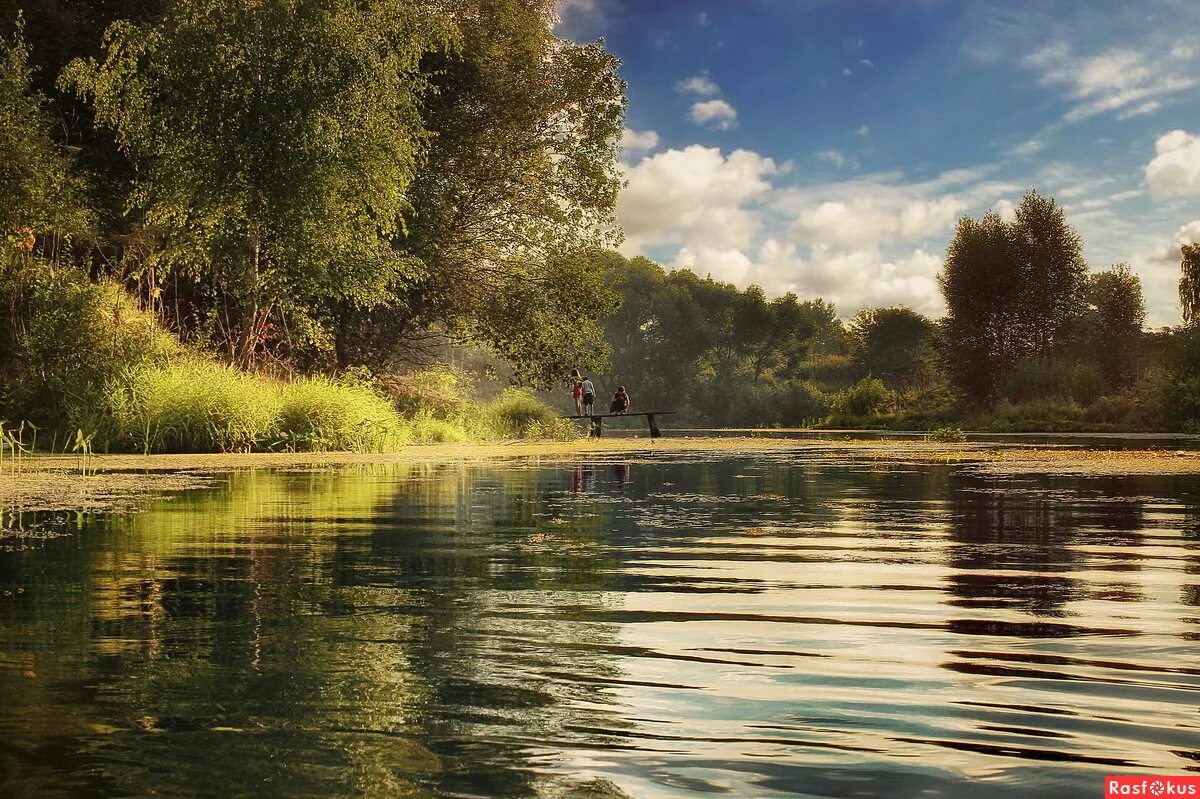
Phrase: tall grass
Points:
(322, 414)
(90, 363)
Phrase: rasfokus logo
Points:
(1151, 786)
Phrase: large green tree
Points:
(896, 345)
(1189, 283)
(518, 186)
(274, 142)
(1113, 322)
(41, 190)
(1013, 290)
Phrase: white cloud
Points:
(1027, 148)
(1007, 209)
(584, 20)
(702, 19)
(696, 197)
(866, 62)
(700, 84)
(1175, 169)
(874, 240)
(638, 141)
(1159, 271)
(1148, 107)
(838, 159)
(1113, 80)
(863, 132)
(714, 114)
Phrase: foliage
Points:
(323, 414)
(1039, 378)
(895, 345)
(867, 397)
(1113, 322)
(947, 435)
(1012, 291)
(42, 191)
(516, 413)
(1181, 385)
(516, 195)
(72, 339)
(192, 405)
(1189, 283)
(274, 142)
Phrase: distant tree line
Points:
(1031, 340)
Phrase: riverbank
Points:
(123, 482)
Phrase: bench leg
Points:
(596, 426)
(654, 431)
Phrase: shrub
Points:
(1046, 414)
(323, 414)
(1039, 378)
(947, 434)
(437, 392)
(867, 397)
(516, 413)
(189, 406)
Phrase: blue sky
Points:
(827, 147)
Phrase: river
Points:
(683, 626)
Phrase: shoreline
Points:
(125, 482)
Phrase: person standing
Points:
(589, 396)
(577, 391)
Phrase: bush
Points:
(801, 403)
(1047, 414)
(190, 406)
(947, 435)
(323, 414)
(516, 413)
(437, 392)
(867, 397)
(1037, 379)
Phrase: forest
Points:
(303, 224)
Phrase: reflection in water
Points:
(773, 627)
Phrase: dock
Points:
(597, 420)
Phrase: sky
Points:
(828, 147)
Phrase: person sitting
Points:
(620, 401)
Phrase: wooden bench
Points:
(597, 421)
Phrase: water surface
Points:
(789, 625)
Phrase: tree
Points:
(1189, 283)
(829, 337)
(1051, 271)
(895, 345)
(978, 283)
(1114, 322)
(275, 141)
(521, 171)
(1012, 290)
(43, 195)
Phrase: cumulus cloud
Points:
(700, 84)
(638, 141)
(875, 240)
(696, 197)
(1175, 169)
(863, 132)
(1159, 271)
(714, 114)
